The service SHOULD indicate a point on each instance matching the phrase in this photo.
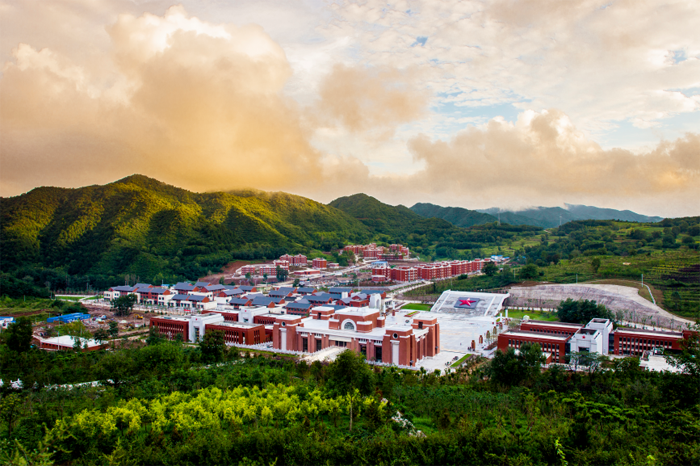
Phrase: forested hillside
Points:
(455, 215)
(145, 227)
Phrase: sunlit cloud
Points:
(401, 101)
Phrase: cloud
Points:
(363, 99)
(197, 104)
(543, 158)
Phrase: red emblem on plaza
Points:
(466, 302)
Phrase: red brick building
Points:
(240, 333)
(363, 330)
(170, 327)
(555, 344)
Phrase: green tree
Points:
(281, 274)
(154, 336)
(18, 335)
(101, 335)
(113, 328)
(349, 371)
(688, 359)
(508, 368)
(581, 311)
(213, 346)
(10, 411)
(595, 264)
(529, 272)
(123, 305)
(489, 269)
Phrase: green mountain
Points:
(142, 226)
(396, 223)
(544, 217)
(455, 215)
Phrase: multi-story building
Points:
(319, 263)
(597, 336)
(386, 339)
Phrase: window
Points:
(319, 345)
(349, 326)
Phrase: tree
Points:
(581, 311)
(296, 282)
(10, 410)
(490, 269)
(221, 281)
(348, 372)
(281, 274)
(595, 264)
(101, 335)
(508, 369)
(18, 335)
(113, 328)
(154, 336)
(213, 346)
(529, 272)
(265, 277)
(124, 304)
(688, 359)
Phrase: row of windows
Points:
(547, 347)
(641, 341)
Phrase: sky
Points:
(471, 104)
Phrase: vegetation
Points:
(137, 226)
(581, 311)
(455, 215)
(165, 404)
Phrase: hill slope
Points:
(457, 216)
(140, 225)
(396, 223)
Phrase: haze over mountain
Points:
(545, 217)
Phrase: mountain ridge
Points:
(544, 217)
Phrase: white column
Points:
(395, 352)
(283, 338)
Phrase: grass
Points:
(534, 315)
(461, 360)
(417, 307)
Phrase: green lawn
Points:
(417, 307)
(534, 315)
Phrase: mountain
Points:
(583, 212)
(142, 226)
(544, 217)
(548, 217)
(457, 216)
(395, 223)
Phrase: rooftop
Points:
(536, 335)
(553, 324)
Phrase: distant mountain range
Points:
(544, 217)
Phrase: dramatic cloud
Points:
(195, 103)
(543, 157)
(397, 100)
